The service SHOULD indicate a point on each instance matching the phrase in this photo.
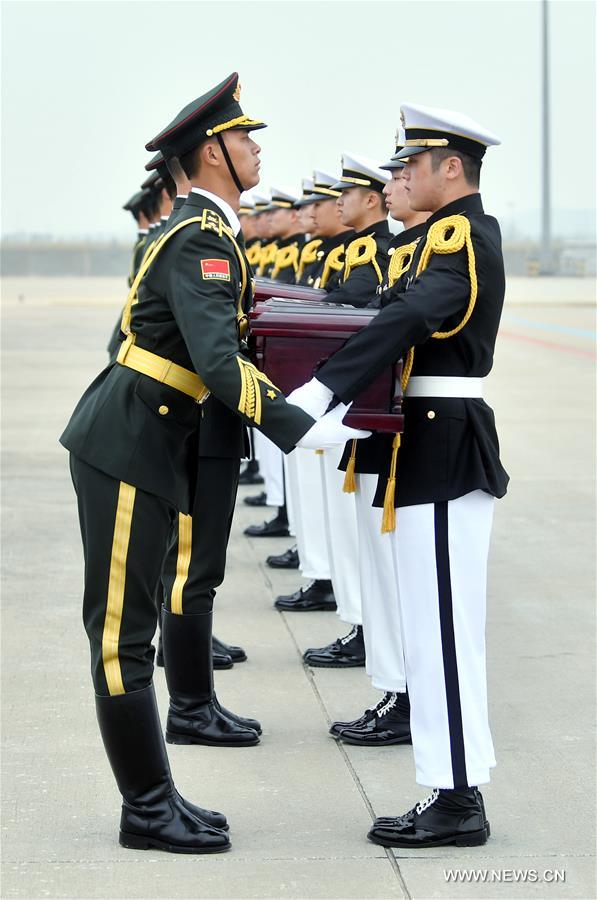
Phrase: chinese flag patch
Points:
(215, 268)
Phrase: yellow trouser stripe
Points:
(185, 536)
(113, 620)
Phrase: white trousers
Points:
(440, 565)
(271, 467)
(382, 629)
(303, 489)
(340, 517)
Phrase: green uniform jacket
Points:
(187, 313)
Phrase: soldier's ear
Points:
(210, 153)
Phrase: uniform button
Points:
(431, 414)
(163, 410)
(391, 251)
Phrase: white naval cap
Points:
(261, 201)
(395, 163)
(282, 198)
(427, 127)
(247, 204)
(321, 188)
(358, 171)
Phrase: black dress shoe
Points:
(318, 595)
(236, 654)
(337, 727)
(222, 660)
(257, 500)
(240, 720)
(445, 817)
(250, 474)
(389, 725)
(277, 527)
(345, 653)
(288, 560)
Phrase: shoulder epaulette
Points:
(211, 221)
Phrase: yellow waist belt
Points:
(163, 370)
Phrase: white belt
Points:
(444, 386)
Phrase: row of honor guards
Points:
(156, 441)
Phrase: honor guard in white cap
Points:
(322, 262)
(441, 317)
(291, 236)
(389, 721)
(362, 208)
(259, 219)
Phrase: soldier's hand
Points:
(329, 431)
(312, 397)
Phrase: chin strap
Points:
(229, 162)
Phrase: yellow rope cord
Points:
(400, 262)
(285, 257)
(362, 252)
(334, 262)
(308, 256)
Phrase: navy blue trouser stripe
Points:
(446, 618)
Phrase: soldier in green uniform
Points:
(133, 442)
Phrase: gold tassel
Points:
(388, 522)
(350, 485)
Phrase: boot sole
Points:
(357, 743)
(474, 839)
(230, 666)
(333, 665)
(306, 610)
(138, 842)
(173, 738)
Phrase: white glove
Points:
(312, 397)
(329, 431)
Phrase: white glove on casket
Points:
(329, 431)
(312, 397)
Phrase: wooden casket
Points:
(290, 338)
(267, 287)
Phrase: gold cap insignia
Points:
(236, 94)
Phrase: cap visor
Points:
(393, 164)
(343, 186)
(410, 151)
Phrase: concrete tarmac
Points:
(300, 804)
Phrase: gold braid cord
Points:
(254, 253)
(308, 256)
(267, 257)
(362, 252)
(334, 262)
(285, 257)
(400, 262)
(449, 235)
(249, 403)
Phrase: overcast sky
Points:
(86, 84)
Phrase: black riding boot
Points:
(195, 715)
(153, 812)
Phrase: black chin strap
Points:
(229, 162)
